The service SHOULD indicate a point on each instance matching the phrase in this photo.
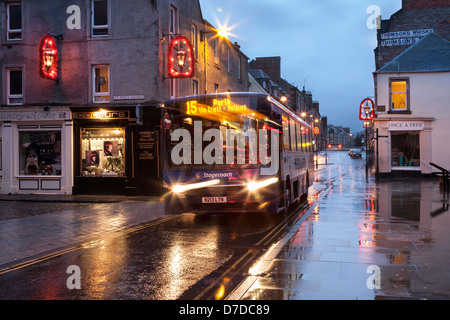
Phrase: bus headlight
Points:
(255, 185)
(179, 188)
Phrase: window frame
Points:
(195, 87)
(100, 27)
(10, 96)
(173, 20)
(194, 39)
(8, 30)
(215, 48)
(101, 94)
(392, 80)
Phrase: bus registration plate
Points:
(214, 199)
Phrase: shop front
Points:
(404, 146)
(107, 155)
(36, 150)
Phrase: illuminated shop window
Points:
(103, 152)
(405, 149)
(39, 153)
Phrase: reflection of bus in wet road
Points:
(234, 151)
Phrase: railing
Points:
(445, 175)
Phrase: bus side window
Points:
(299, 136)
(292, 134)
(286, 143)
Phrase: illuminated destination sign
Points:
(218, 106)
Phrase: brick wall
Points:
(424, 4)
(270, 65)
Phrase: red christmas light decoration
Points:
(48, 54)
(367, 110)
(181, 60)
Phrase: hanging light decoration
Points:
(48, 54)
(181, 60)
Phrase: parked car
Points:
(355, 153)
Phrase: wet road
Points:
(179, 258)
(322, 250)
(363, 240)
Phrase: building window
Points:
(173, 88)
(194, 38)
(39, 153)
(100, 25)
(228, 60)
(103, 152)
(405, 149)
(173, 27)
(194, 87)
(216, 88)
(101, 83)
(14, 21)
(14, 86)
(0, 150)
(399, 94)
(239, 70)
(215, 48)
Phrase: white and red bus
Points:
(234, 151)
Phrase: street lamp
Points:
(366, 113)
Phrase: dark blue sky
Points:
(325, 45)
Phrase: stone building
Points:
(82, 76)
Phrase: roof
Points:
(430, 54)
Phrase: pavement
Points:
(362, 239)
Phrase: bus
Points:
(234, 152)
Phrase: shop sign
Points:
(35, 116)
(102, 114)
(405, 125)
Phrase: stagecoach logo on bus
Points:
(213, 175)
(214, 152)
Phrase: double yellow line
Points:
(105, 236)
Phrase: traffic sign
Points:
(316, 130)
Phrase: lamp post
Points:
(366, 113)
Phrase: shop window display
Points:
(40, 153)
(102, 152)
(405, 149)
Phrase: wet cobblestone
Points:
(19, 209)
